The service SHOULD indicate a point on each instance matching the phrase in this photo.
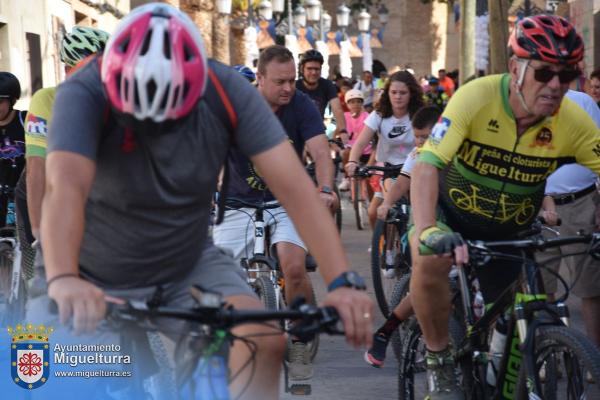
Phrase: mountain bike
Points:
(539, 338)
(263, 271)
(201, 353)
(13, 294)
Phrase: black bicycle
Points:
(539, 341)
(201, 353)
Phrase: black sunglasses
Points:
(545, 74)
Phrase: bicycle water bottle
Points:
(497, 345)
(211, 379)
(10, 214)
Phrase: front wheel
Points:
(266, 292)
(566, 363)
(388, 262)
(12, 311)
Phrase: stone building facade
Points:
(30, 34)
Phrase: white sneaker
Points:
(345, 185)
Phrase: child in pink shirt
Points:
(355, 119)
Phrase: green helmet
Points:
(80, 43)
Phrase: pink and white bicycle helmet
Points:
(155, 65)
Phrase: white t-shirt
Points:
(410, 162)
(396, 138)
(572, 178)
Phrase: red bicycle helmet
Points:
(547, 38)
(155, 65)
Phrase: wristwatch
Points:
(348, 279)
(326, 189)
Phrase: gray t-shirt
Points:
(146, 217)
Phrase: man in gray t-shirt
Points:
(129, 184)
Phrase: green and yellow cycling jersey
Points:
(492, 180)
(37, 122)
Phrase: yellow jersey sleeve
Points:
(455, 124)
(37, 122)
(585, 137)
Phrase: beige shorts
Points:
(581, 272)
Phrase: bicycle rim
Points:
(564, 361)
(356, 203)
(12, 312)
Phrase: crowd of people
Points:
(114, 172)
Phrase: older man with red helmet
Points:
(499, 137)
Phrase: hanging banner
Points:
(250, 37)
(345, 61)
(324, 50)
(367, 53)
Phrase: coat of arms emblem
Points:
(30, 355)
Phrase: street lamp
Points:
(364, 19)
(384, 14)
(278, 6)
(265, 10)
(224, 7)
(299, 16)
(342, 17)
(325, 22)
(313, 10)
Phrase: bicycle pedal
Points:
(301, 389)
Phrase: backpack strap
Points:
(221, 105)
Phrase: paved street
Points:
(340, 372)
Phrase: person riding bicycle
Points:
(390, 121)
(12, 145)
(303, 125)
(129, 183)
(320, 90)
(355, 119)
(485, 165)
(76, 45)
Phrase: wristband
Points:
(60, 276)
(350, 161)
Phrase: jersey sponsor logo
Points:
(396, 131)
(36, 125)
(596, 150)
(493, 126)
(439, 130)
(543, 139)
(504, 165)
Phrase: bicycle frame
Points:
(16, 268)
(522, 300)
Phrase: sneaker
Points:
(375, 356)
(345, 185)
(589, 378)
(300, 367)
(442, 380)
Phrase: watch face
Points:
(326, 189)
(355, 279)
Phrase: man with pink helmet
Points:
(135, 150)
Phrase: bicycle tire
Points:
(338, 211)
(360, 223)
(409, 362)
(401, 289)
(13, 312)
(382, 286)
(578, 355)
(265, 292)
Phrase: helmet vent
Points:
(136, 94)
(146, 44)
(175, 96)
(541, 40)
(186, 89)
(167, 46)
(165, 98)
(124, 45)
(151, 89)
(188, 55)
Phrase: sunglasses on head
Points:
(545, 74)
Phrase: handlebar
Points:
(238, 203)
(388, 171)
(212, 311)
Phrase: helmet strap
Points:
(519, 84)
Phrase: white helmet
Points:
(353, 94)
